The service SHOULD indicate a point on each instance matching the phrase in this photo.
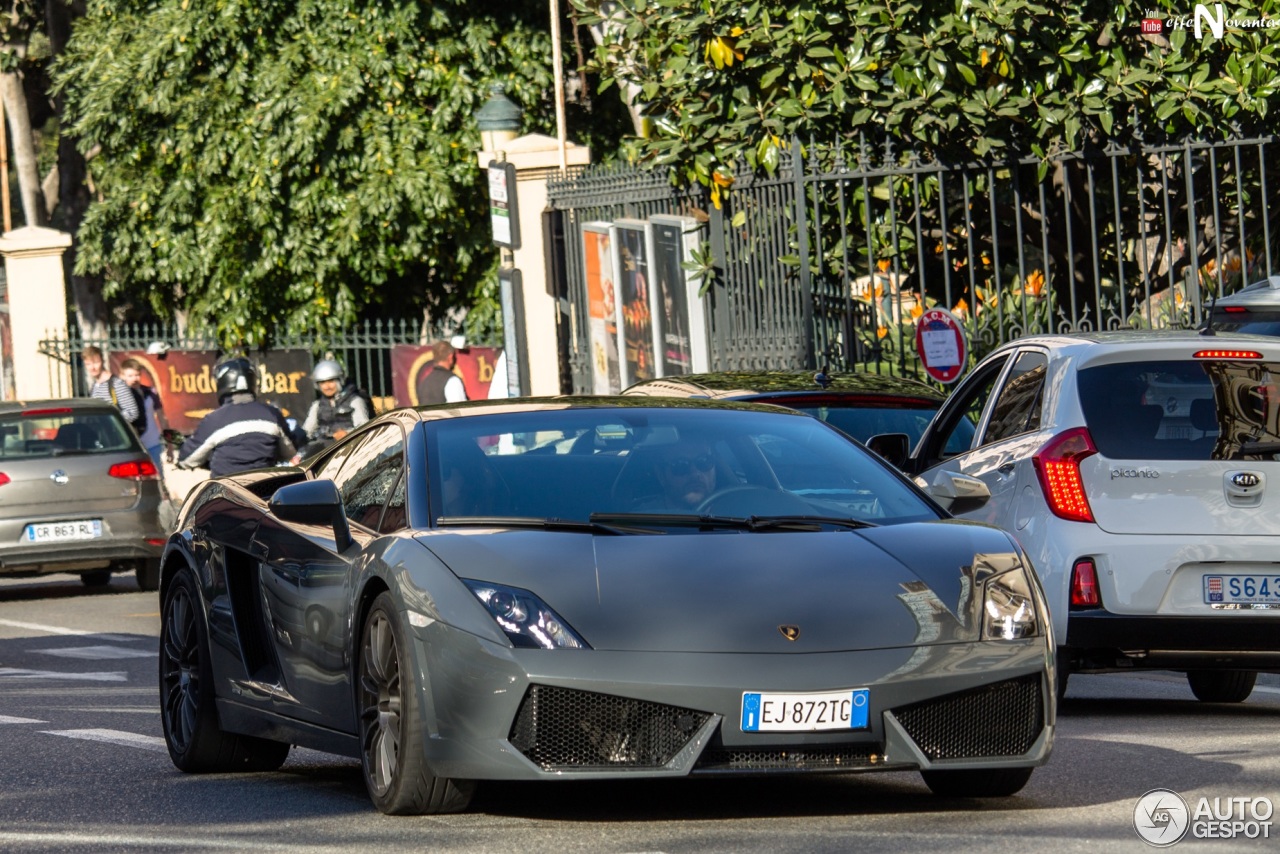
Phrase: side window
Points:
(328, 466)
(395, 518)
(370, 473)
(1017, 409)
(959, 416)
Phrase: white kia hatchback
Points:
(1141, 473)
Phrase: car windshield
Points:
(45, 433)
(1183, 410)
(862, 422)
(582, 465)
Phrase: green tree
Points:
(731, 81)
(266, 164)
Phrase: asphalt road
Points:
(83, 768)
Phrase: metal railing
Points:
(827, 261)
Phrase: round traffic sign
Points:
(942, 345)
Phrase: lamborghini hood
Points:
(741, 592)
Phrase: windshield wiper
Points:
(1248, 448)
(552, 524)
(739, 523)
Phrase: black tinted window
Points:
(1183, 410)
(1017, 410)
(370, 474)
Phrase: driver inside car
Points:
(686, 471)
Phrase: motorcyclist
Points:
(243, 432)
(339, 409)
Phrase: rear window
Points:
(1183, 410)
(1247, 322)
(63, 432)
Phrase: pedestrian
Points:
(105, 386)
(341, 407)
(154, 421)
(242, 433)
(440, 384)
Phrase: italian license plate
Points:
(847, 709)
(52, 532)
(1242, 590)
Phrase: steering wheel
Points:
(741, 490)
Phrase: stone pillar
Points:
(37, 309)
(536, 158)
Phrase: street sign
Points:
(941, 343)
(503, 213)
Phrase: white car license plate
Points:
(1242, 590)
(847, 709)
(50, 532)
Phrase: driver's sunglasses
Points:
(681, 466)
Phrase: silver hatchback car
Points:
(77, 493)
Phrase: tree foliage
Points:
(288, 163)
(731, 81)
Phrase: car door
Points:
(1008, 393)
(307, 583)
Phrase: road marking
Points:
(59, 630)
(95, 841)
(7, 719)
(17, 673)
(101, 652)
(113, 736)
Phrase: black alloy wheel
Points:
(391, 742)
(187, 712)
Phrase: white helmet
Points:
(326, 369)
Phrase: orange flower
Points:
(883, 264)
(961, 307)
(879, 291)
(1035, 284)
(917, 310)
(882, 331)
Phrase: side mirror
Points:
(895, 448)
(313, 502)
(957, 493)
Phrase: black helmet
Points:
(235, 375)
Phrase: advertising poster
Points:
(184, 380)
(410, 364)
(631, 242)
(673, 299)
(597, 260)
(681, 316)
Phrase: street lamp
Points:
(498, 120)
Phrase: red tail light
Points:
(1226, 354)
(1235, 309)
(1084, 584)
(1058, 467)
(4, 478)
(145, 470)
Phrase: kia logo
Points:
(1245, 479)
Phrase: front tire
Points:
(1222, 686)
(196, 742)
(977, 782)
(391, 739)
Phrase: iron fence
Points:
(828, 261)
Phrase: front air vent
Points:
(1003, 719)
(561, 729)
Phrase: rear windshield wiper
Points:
(552, 524)
(1249, 448)
(738, 523)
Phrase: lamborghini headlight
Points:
(527, 620)
(1008, 608)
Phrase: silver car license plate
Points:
(1242, 590)
(52, 532)
(769, 712)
